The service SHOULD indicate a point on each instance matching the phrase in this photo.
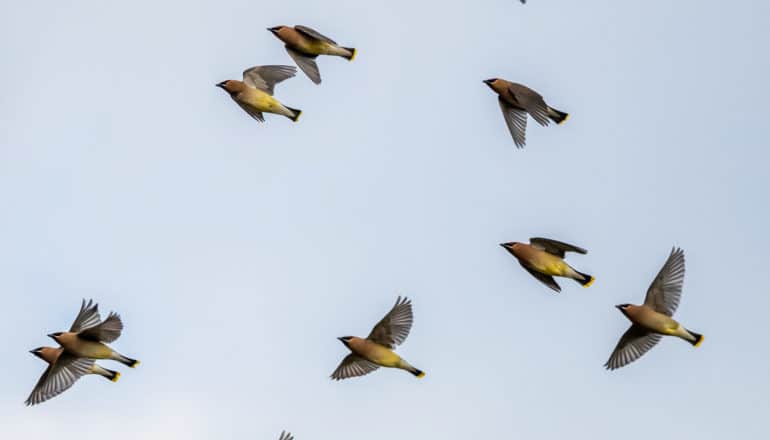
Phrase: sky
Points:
(237, 252)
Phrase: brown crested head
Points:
(625, 308)
(276, 30)
(345, 340)
(231, 86)
(510, 246)
(491, 82)
(48, 354)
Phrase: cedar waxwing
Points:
(543, 258)
(305, 44)
(652, 320)
(376, 350)
(88, 334)
(255, 93)
(516, 101)
(62, 372)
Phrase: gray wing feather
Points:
(87, 317)
(666, 289)
(254, 113)
(543, 278)
(516, 120)
(555, 247)
(59, 377)
(312, 33)
(266, 77)
(393, 329)
(532, 102)
(307, 64)
(353, 366)
(108, 331)
(635, 342)
(286, 436)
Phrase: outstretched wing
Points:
(59, 377)
(393, 329)
(635, 342)
(312, 33)
(516, 120)
(266, 77)
(554, 247)
(666, 289)
(352, 366)
(108, 331)
(307, 64)
(87, 317)
(531, 101)
(545, 279)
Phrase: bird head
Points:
(490, 81)
(509, 246)
(55, 336)
(38, 352)
(345, 340)
(624, 308)
(227, 86)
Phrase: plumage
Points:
(255, 93)
(377, 349)
(516, 101)
(543, 258)
(62, 372)
(89, 341)
(305, 44)
(652, 320)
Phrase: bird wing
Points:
(516, 120)
(107, 331)
(393, 329)
(555, 247)
(254, 113)
(59, 377)
(286, 436)
(545, 279)
(635, 342)
(307, 64)
(353, 365)
(266, 77)
(531, 101)
(87, 317)
(312, 33)
(666, 289)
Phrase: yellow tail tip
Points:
(296, 118)
(353, 57)
(135, 364)
(563, 120)
(591, 281)
(116, 377)
(421, 375)
(697, 344)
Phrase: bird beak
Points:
(52, 336)
(341, 340)
(32, 351)
(619, 307)
(221, 85)
(488, 81)
(273, 29)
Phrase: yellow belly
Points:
(380, 355)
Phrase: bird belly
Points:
(380, 355)
(658, 323)
(90, 349)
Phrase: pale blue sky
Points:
(237, 252)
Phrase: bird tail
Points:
(105, 373)
(557, 116)
(587, 279)
(296, 113)
(352, 55)
(126, 360)
(417, 373)
(698, 338)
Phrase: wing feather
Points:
(666, 289)
(393, 329)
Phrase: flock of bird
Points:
(543, 258)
